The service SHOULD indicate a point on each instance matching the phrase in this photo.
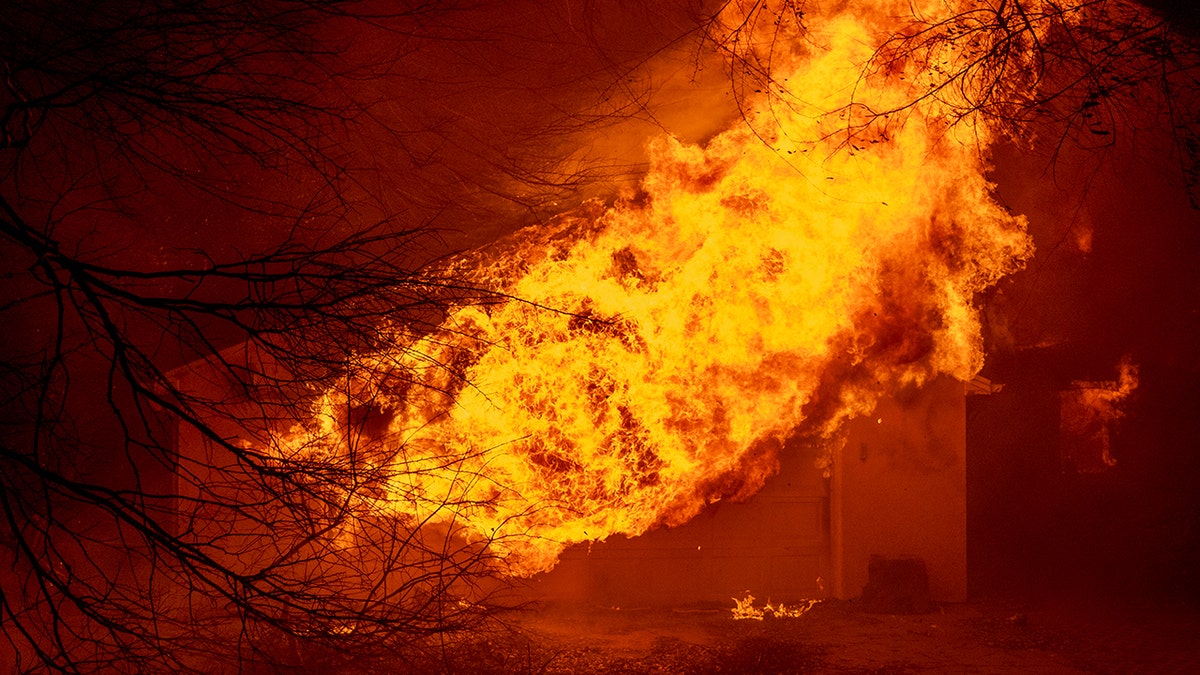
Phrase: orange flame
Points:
(762, 282)
(744, 609)
(1088, 412)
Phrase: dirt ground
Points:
(989, 636)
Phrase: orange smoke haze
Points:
(783, 276)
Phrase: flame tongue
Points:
(758, 287)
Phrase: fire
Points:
(760, 283)
(1088, 412)
(744, 609)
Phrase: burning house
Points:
(844, 344)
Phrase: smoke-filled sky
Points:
(476, 99)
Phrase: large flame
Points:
(786, 274)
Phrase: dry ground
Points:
(836, 637)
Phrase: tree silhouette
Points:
(120, 550)
(264, 127)
(1090, 73)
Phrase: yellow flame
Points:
(744, 609)
(762, 282)
(794, 611)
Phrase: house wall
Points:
(774, 546)
(899, 490)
